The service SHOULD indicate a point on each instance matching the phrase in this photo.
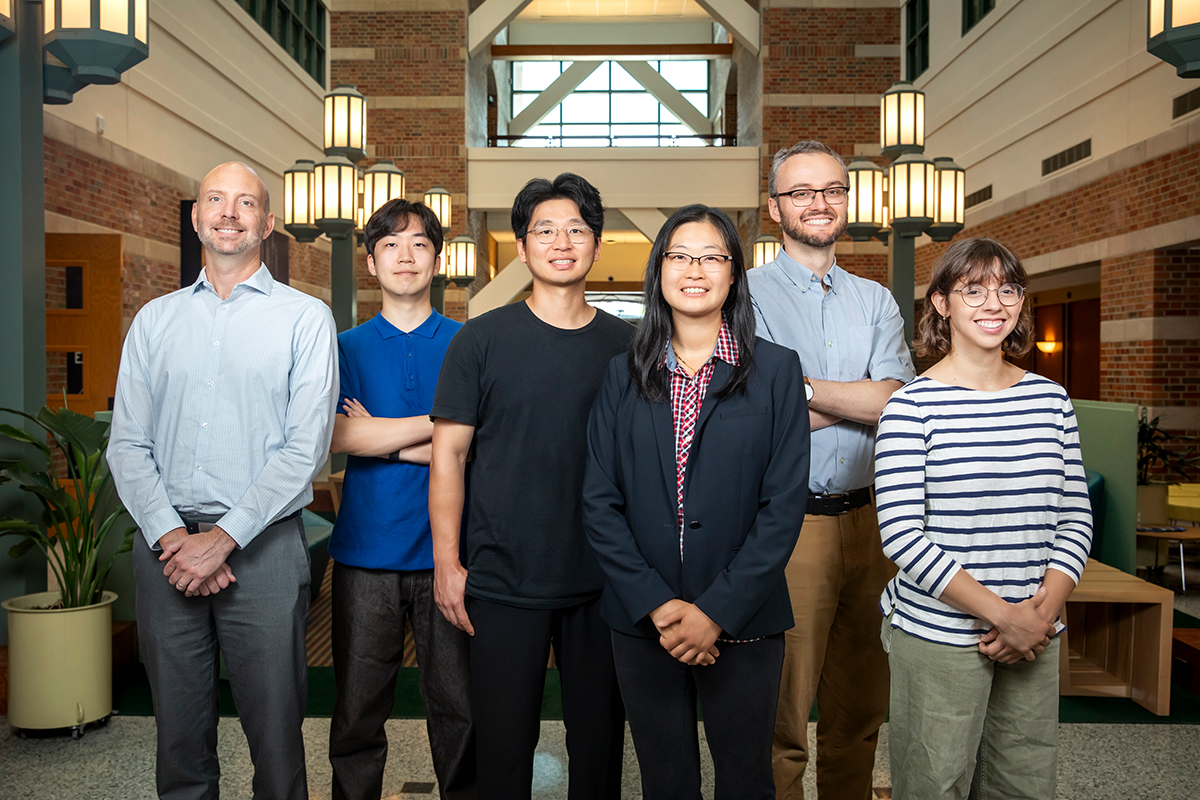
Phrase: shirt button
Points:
(203, 424)
(842, 460)
(210, 383)
(410, 355)
(216, 344)
(829, 343)
(199, 467)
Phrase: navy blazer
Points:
(744, 498)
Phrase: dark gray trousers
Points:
(369, 609)
(258, 624)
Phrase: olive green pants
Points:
(964, 726)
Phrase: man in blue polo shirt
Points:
(381, 547)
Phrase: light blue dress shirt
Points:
(224, 406)
(850, 333)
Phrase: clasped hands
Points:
(196, 562)
(1023, 633)
(686, 632)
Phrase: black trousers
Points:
(369, 609)
(738, 695)
(508, 667)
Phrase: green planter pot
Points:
(59, 662)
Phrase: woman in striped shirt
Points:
(983, 506)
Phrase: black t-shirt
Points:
(527, 388)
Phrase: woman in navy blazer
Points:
(693, 498)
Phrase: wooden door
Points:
(83, 320)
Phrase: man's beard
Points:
(252, 240)
(791, 229)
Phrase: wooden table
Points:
(1185, 535)
(1118, 639)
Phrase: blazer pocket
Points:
(743, 411)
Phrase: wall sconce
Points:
(1048, 347)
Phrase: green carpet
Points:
(131, 697)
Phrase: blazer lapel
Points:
(721, 374)
(664, 436)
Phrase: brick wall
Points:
(307, 263)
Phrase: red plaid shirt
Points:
(687, 393)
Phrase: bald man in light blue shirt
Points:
(849, 335)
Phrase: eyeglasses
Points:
(576, 234)
(976, 294)
(710, 262)
(803, 198)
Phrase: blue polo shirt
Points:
(383, 521)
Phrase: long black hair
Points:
(653, 336)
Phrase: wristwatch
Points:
(808, 389)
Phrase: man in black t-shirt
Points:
(518, 384)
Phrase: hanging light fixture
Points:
(58, 84)
(865, 207)
(336, 197)
(381, 183)
(950, 192)
(460, 260)
(97, 39)
(883, 233)
(346, 124)
(438, 200)
(298, 199)
(8, 25)
(902, 120)
(1173, 34)
(911, 199)
(766, 249)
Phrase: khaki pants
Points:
(833, 655)
(964, 726)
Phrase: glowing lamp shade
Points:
(1173, 34)
(950, 192)
(766, 250)
(438, 200)
(902, 120)
(7, 24)
(864, 209)
(335, 205)
(1047, 347)
(460, 260)
(912, 195)
(298, 199)
(346, 124)
(97, 39)
(381, 183)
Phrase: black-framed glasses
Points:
(709, 262)
(803, 198)
(976, 294)
(576, 234)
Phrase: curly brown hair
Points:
(972, 261)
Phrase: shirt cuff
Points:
(238, 523)
(159, 524)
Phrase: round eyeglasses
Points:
(710, 262)
(976, 294)
(576, 234)
(803, 198)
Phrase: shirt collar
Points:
(726, 350)
(802, 276)
(260, 281)
(427, 329)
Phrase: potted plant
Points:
(60, 642)
(1155, 457)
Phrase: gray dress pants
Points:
(258, 624)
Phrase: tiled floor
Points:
(1096, 762)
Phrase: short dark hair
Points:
(395, 216)
(567, 186)
(807, 147)
(653, 335)
(972, 260)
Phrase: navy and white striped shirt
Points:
(224, 406)
(987, 482)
